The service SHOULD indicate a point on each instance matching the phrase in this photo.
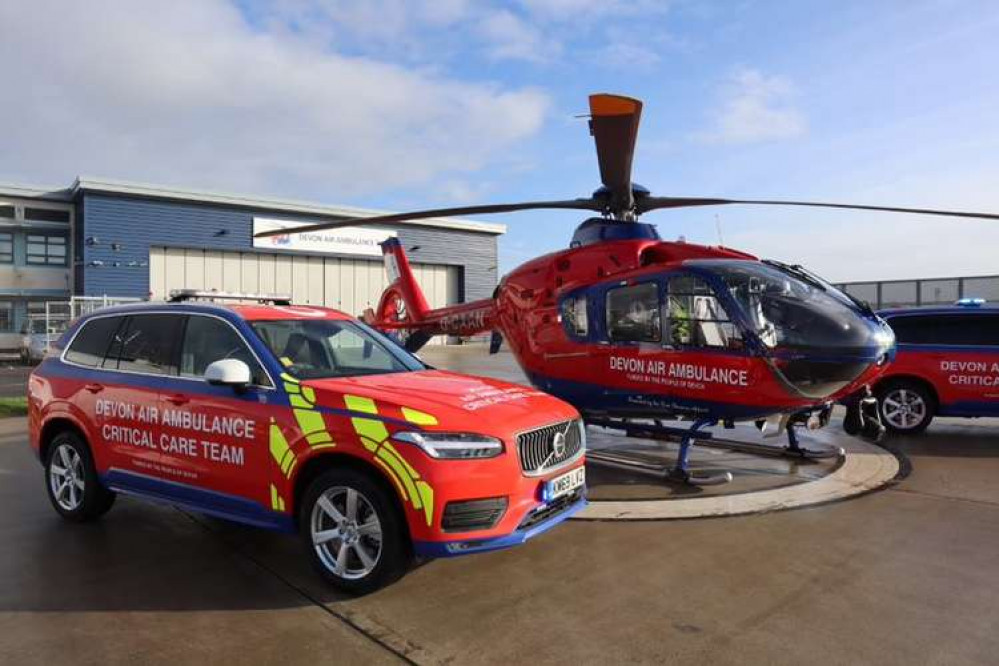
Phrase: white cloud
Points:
(756, 107)
(508, 37)
(626, 55)
(577, 10)
(187, 92)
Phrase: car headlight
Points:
(453, 445)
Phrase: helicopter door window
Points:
(574, 316)
(697, 318)
(633, 313)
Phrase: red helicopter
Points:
(633, 330)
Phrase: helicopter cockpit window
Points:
(633, 313)
(696, 317)
(574, 316)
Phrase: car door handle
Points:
(178, 399)
(94, 388)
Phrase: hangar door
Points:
(350, 285)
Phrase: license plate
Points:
(565, 484)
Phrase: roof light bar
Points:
(970, 302)
(181, 295)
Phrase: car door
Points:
(218, 434)
(127, 395)
(965, 362)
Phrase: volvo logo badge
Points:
(558, 444)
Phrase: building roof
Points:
(88, 184)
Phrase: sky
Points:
(403, 104)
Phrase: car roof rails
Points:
(183, 295)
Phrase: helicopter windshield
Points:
(820, 339)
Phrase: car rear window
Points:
(92, 342)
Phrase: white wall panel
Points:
(232, 273)
(173, 264)
(315, 283)
(331, 282)
(194, 269)
(265, 273)
(213, 270)
(249, 274)
(282, 274)
(350, 285)
(300, 279)
(157, 274)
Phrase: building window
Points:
(46, 215)
(6, 317)
(47, 249)
(8, 211)
(6, 247)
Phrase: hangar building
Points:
(110, 238)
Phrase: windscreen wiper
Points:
(798, 272)
(811, 278)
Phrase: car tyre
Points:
(906, 407)
(353, 532)
(71, 480)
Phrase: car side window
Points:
(696, 316)
(980, 330)
(208, 339)
(915, 330)
(146, 344)
(93, 341)
(633, 313)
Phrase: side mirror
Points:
(228, 372)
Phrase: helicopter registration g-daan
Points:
(633, 330)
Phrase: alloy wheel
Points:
(346, 532)
(66, 477)
(904, 409)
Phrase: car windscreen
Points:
(324, 348)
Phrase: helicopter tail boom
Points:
(403, 308)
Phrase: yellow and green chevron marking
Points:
(374, 435)
(309, 419)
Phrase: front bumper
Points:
(433, 549)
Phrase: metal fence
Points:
(935, 291)
(45, 328)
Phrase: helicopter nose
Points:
(824, 370)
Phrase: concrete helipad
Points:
(760, 483)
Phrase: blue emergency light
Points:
(970, 302)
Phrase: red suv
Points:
(947, 364)
(300, 418)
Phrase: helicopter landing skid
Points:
(792, 450)
(680, 471)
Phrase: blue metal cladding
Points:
(118, 232)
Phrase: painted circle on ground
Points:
(864, 467)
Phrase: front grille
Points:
(553, 508)
(469, 515)
(537, 447)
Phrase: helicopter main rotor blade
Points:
(614, 125)
(647, 204)
(568, 204)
